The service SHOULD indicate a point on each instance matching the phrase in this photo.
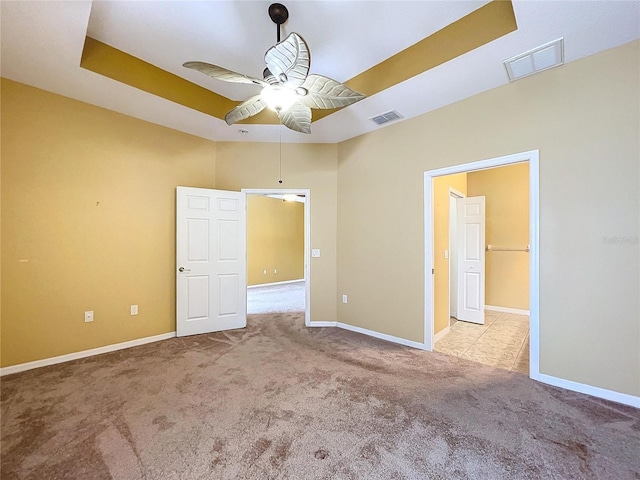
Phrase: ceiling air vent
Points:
(541, 58)
(386, 117)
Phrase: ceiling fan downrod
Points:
(279, 14)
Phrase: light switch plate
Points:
(315, 252)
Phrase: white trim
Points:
(495, 308)
(307, 236)
(441, 334)
(319, 323)
(428, 263)
(83, 354)
(275, 283)
(589, 390)
(533, 157)
(381, 336)
(534, 265)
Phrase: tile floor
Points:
(503, 341)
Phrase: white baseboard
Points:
(83, 354)
(318, 323)
(441, 334)
(382, 336)
(275, 283)
(517, 311)
(623, 398)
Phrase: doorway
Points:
(278, 285)
(434, 261)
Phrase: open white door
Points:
(211, 260)
(471, 269)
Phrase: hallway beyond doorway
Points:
(276, 298)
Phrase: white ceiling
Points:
(42, 43)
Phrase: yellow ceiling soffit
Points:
(478, 28)
(115, 64)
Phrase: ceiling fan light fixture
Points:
(278, 98)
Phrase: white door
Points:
(211, 260)
(470, 232)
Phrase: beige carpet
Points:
(277, 400)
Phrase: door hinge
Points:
(433, 271)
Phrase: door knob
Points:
(182, 269)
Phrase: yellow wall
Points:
(88, 223)
(304, 166)
(441, 186)
(275, 240)
(506, 192)
(584, 119)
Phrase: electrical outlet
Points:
(88, 316)
(264, 272)
(344, 299)
(275, 270)
(134, 309)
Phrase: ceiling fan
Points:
(288, 89)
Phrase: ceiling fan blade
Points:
(289, 60)
(223, 74)
(245, 110)
(324, 92)
(297, 117)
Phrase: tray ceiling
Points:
(458, 49)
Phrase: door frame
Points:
(533, 157)
(453, 193)
(307, 236)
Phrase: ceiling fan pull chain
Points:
(280, 173)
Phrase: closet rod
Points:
(491, 248)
